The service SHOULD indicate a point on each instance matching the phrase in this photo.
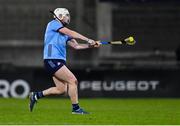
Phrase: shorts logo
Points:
(58, 63)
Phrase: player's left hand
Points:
(91, 42)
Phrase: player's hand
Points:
(97, 44)
(91, 42)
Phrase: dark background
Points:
(153, 23)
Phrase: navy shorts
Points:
(53, 65)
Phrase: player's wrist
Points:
(89, 41)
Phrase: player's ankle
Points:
(39, 94)
(75, 106)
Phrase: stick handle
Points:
(104, 42)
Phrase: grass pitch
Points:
(103, 112)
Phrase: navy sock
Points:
(75, 106)
(40, 94)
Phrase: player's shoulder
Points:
(55, 22)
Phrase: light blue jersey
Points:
(55, 42)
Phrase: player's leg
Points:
(66, 75)
(60, 88)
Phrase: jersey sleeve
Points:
(69, 38)
(57, 25)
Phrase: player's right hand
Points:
(97, 44)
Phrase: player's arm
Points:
(74, 34)
(75, 45)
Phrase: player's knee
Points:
(76, 81)
(73, 81)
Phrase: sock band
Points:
(40, 94)
(75, 106)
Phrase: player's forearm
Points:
(82, 46)
(76, 35)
